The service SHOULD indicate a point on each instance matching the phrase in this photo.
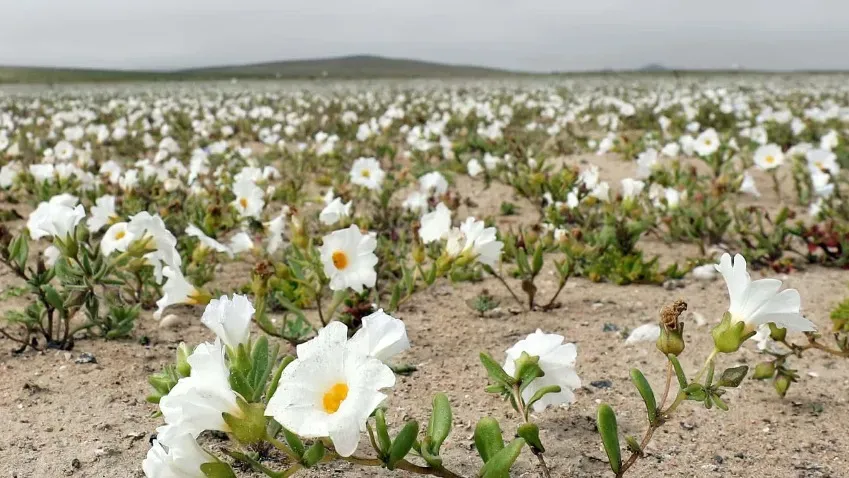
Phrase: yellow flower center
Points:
(769, 159)
(366, 173)
(707, 142)
(333, 398)
(243, 202)
(120, 235)
(340, 259)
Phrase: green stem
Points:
(708, 363)
(503, 282)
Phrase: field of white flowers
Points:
(624, 276)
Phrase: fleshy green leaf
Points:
(496, 373)
(488, 438)
(499, 465)
(441, 422)
(609, 430)
(403, 443)
(646, 393)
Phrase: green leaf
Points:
(403, 443)
(537, 259)
(679, 372)
(530, 432)
(314, 454)
(633, 445)
(441, 422)
(499, 465)
(431, 459)
(294, 442)
(609, 430)
(496, 373)
(537, 396)
(275, 380)
(733, 376)
(53, 298)
(217, 470)
(522, 261)
(396, 296)
(646, 393)
(696, 392)
(383, 440)
(488, 438)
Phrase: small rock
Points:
(598, 305)
(687, 425)
(75, 463)
(86, 357)
(171, 321)
(673, 284)
(602, 384)
(718, 459)
(705, 272)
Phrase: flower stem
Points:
(706, 365)
(523, 410)
(503, 282)
(401, 465)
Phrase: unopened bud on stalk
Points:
(671, 340)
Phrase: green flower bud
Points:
(764, 370)
(777, 333)
(671, 341)
(183, 367)
(781, 384)
(248, 425)
(728, 336)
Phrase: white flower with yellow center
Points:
(177, 290)
(249, 201)
(707, 143)
(349, 259)
(436, 224)
(117, 238)
(769, 157)
(330, 390)
(367, 172)
(474, 238)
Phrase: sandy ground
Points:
(63, 418)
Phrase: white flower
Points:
(274, 233)
(704, 272)
(349, 259)
(760, 302)
(436, 224)
(197, 402)
(475, 238)
(821, 182)
(117, 238)
(102, 213)
(330, 391)
(381, 336)
(646, 162)
(822, 161)
(707, 143)
(643, 333)
(769, 157)
(229, 319)
(182, 458)
(631, 188)
(42, 172)
(829, 141)
(51, 255)
(207, 241)
(416, 202)
(64, 150)
(473, 167)
(145, 224)
(557, 361)
(433, 183)
(241, 242)
(334, 212)
(366, 172)
(748, 185)
(129, 180)
(249, 201)
(8, 173)
(176, 290)
(55, 218)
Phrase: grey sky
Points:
(537, 35)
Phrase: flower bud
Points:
(671, 341)
(526, 365)
(183, 367)
(419, 254)
(248, 426)
(782, 383)
(764, 370)
(728, 336)
(777, 333)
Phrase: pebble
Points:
(86, 357)
(602, 383)
(171, 321)
(673, 284)
(705, 272)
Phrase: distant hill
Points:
(653, 67)
(349, 67)
(363, 66)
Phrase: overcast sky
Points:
(538, 35)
